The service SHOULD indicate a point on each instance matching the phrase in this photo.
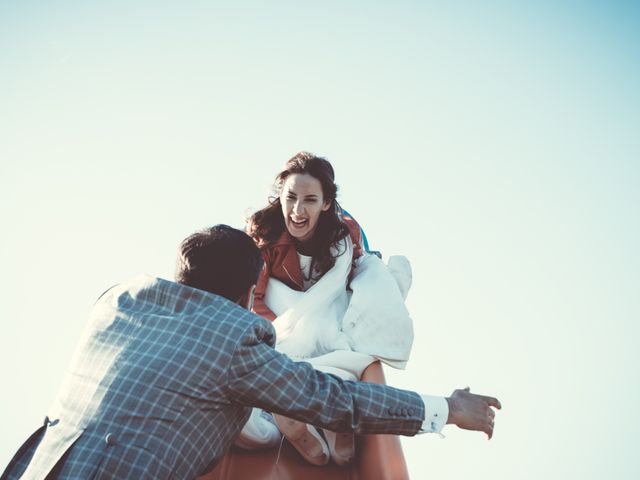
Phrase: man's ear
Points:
(246, 299)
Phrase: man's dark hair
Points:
(220, 260)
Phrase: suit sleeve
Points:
(261, 377)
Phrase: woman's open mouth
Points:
(300, 223)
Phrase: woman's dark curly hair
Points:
(266, 225)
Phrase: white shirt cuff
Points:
(436, 414)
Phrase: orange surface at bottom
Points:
(378, 457)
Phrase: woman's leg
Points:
(342, 446)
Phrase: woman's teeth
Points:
(299, 223)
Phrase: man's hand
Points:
(472, 412)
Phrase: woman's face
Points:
(302, 203)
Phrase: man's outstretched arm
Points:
(261, 377)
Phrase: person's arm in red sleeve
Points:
(355, 234)
(356, 238)
(259, 306)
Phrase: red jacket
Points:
(281, 262)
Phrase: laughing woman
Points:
(298, 229)
(322, 292)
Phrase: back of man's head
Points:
(220, 260)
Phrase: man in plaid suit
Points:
(162, 381)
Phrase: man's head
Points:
(220, 260)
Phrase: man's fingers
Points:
(488, 430)
(492, 401)
(492, 418)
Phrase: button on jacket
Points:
(162, 382)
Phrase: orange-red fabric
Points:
(282, 263)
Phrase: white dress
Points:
(338, 331)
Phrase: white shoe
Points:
(259, 432)
(305, 439)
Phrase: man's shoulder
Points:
(154, 291)
(147, 294)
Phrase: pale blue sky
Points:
(495, 144)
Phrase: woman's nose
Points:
(297, 207)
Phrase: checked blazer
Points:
(162, 381)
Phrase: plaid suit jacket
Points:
(162, 382)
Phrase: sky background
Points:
(495, 144)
